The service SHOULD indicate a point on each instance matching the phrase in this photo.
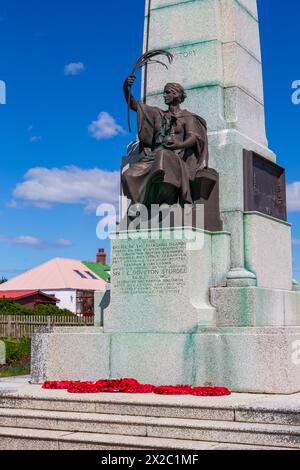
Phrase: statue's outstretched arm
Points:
(127, 93)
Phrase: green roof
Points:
(102, 270)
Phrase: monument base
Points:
(173, 320)
(69, 353)
(255, 360)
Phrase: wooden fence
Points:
(17, 326)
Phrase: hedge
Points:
(9, 307)
(17, 349)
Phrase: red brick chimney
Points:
(101, 256)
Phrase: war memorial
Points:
(223, 310)
(208, 299)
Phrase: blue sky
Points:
(48, 143)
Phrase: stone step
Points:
(271, 415)
(12, 438)
(257, 434)
(168, 407)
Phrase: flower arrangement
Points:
(133, 386)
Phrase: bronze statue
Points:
(172, 150)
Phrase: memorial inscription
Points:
(264, 186)
(149, 267)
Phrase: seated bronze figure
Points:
(172, 150)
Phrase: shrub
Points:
(10, 307)
(17, 349)
(47, 309)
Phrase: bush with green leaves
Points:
(9, 307)
(17, 349)
(48, 309)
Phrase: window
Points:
(80, 274)
(91, 275)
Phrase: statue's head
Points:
(174, 93)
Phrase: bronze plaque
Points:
(264, 186)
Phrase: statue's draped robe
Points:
(159, 167)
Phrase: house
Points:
(29, 298)
(74, 283)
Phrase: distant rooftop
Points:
(59, 274)
(21, 294)
(102, 270)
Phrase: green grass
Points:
(12, 370)
(17, 358)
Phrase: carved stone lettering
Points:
(148, 267)
(185, 54)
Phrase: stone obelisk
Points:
(216, 46)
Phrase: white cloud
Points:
(105, 127)
(45, 187)
(36, 138)
(33, 242)
(293, 196)
(74, 68)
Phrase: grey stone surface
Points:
(70, 421)
(144, 426)
(204, 100)
(239, 433)
(161, 285)
(205, 57)
(268, 251)
(70, 354)
(27, 440)
(276, 410)
(184, 23)
(22, 439)
(237, 66)
(221, 259)
(179, 410)
(253, 306)
(219, 39)
(153, 358)
(240, 27)
(2, 352)
(238, 107)
(257, 360)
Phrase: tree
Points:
(3, 280)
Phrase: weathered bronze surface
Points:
(172, 151)
(264, 186)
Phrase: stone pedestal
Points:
(255, 360)
(172, 319)
(70, 353)
(160, 281)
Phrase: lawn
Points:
(21, 367)
(17, 358)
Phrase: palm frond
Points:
(144, 60)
